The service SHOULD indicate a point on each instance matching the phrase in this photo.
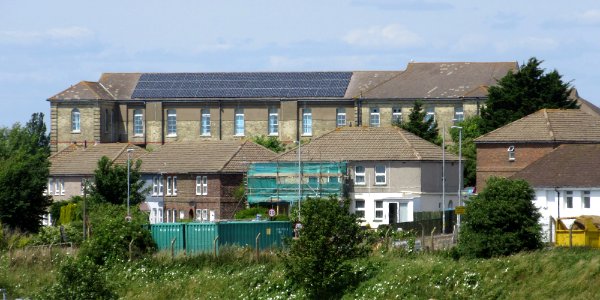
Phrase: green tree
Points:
(501, 220)
(24, 170)
(419, 125)
(521, 93)
(110, 183)
(320, 259)
(271, 142)
(471, 129)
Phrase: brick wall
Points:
(492, 159)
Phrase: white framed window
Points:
(138, 122)
(171, 122)
(198, 215)
(205, 114)
(174, 216)
(171, 185)
(59, 187)
(380, 175)
(359, 175)
(378, 209)
(181, 215)
(430, 115)
(273, 121)
(157, 186)
(340, 119)
(396, 115)
(201, 185)
(50, 188)
(511, 153)
(160, 214)
(75, 120)
(168, 215)
(458, 114)
(569, 199)
(359, 208)
(374, 120)
(306, 121)
(585, 199)
(205, 214)
(239, 122)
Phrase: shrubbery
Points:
(79, 279)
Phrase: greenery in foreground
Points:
(544, 274)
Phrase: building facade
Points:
(157, 108)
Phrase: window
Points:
(396, 115)
(273, 121)
(106, 120)
(586, 199)
(239, 121)
(569, 201)
(511, 153)
(171, 122)
(75, 120)
(306, 121)
(50, 187)
(340, 119)
(430, 115)
(359, 208)
(458, 114)
(374, 117)
(205, 130)
(201, 185)
(157, 186)
(59, 187)
(171, 186)
(168, 215)
(359, 175)
(380, 174)
(378, 209)
(138, 122)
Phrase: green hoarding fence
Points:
(164, 233)
(200, 237)
(278, 181)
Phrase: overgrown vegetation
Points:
(501, 220)
(270, 142)
(110, 183)
(420, 125)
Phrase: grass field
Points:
(546, 274)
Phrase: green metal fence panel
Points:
(199, 237)
(164, 233)
(272, 233)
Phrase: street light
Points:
(460, 184)
(129, 150)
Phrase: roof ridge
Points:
(549, 125)
(401, 131)
(87, 83)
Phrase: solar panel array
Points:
(242, 85)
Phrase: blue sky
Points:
(46, 46)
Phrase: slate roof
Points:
(418, 81)
(204, 157)
(443, 80)
(548, 126)
(368, 144)
(569, 165)
(79, 160)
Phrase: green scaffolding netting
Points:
(279, 181)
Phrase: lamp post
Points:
(460, 184)
(444, 180)
(128, 218)
(299, 178)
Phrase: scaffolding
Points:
(280, 181)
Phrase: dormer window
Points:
(511, 153)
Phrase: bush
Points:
(111, 234)
(79, 279)
(251, 212)
(321, 260)
(501, 220)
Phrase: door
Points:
(403, 212)
(393, 213)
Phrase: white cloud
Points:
(59, 34)
(590, 17)
(393, 35)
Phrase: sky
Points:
(47, 46)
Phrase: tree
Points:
(418, 124)
(270, 142)
(501, 220)
(110, 183)
(471, 129)
(24, 171)
(319, 260)
(524, 92)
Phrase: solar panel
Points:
(242, 85)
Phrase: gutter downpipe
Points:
(220, 120)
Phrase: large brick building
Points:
(158, 108)
(511, 148)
